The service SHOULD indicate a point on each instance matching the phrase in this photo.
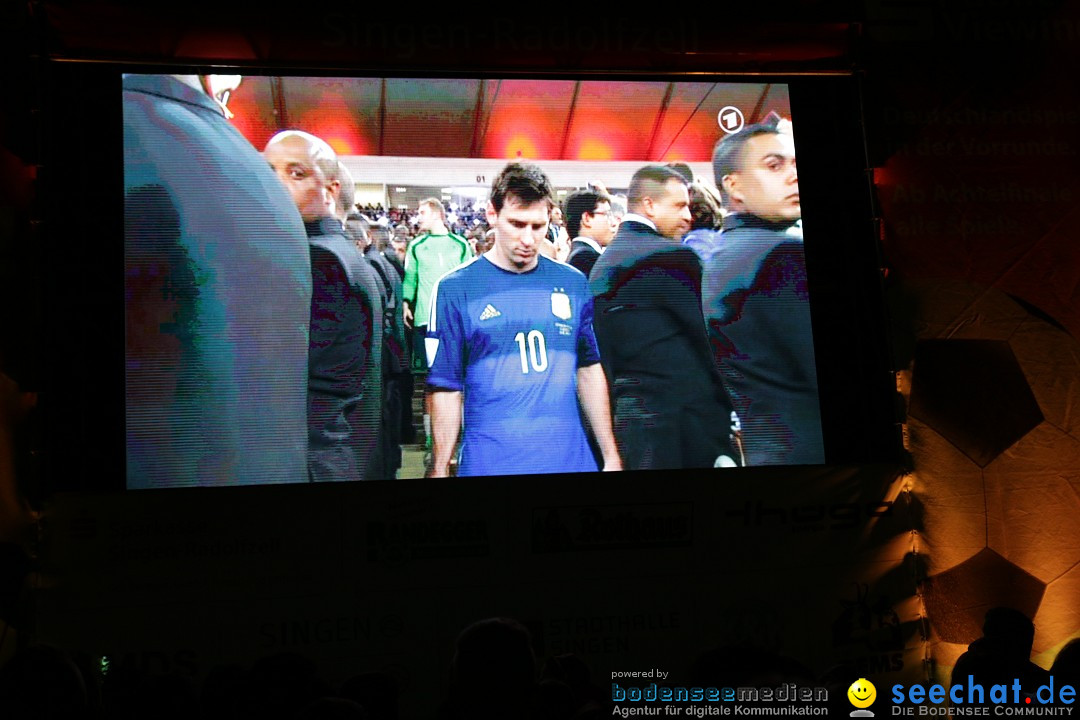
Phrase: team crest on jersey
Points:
(560, 305)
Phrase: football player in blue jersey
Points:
(511, 348)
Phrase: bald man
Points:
(344, 353)
(218, 297)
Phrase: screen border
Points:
(82, 385)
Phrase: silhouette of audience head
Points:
(1009, 631)
(42, 681)
(1002, 654)
(1066, 667)
(493, 673)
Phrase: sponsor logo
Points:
(861, 695)
(399, 542)
(560, 305)
(970, 697)
(592, 527)
(809, 518)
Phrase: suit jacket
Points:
(395, 344)
(582, 256)
(757, 306)
(670, 406)
(344, 360)
(218, 296)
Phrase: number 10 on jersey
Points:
(533, 351)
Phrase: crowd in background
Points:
(499, 670)
(463, 219)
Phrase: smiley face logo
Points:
(862, 693)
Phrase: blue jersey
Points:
(512, 344)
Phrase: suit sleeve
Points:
(679, 289)
(588, 352)
(336, 324)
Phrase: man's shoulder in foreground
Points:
(562, 270)
(635, 249)
(169, 88)
(744, 228)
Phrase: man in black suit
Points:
(589, 222)
(344, 349)
(397, 380)
(757, 302)
(670, 407)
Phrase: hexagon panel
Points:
(957, 599)
(1032, 509)
(961, 310)
(1059, 612)
(950, 489)
(1051, 363)
(974, 393)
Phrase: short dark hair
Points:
(525, 181)
(380, 236)
(579, 203)
(650, 182)
(704, 208)
(727, 155)
(684, 170)
(354, 234)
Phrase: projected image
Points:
(342, 279)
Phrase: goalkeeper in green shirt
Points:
(431, 255)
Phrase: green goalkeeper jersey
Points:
(428, 258)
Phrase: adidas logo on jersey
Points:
(489, 312)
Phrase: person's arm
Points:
(680, 288)
(409, 284)
(445, 425)
(593, 395)
(445, 345)
(343, 323)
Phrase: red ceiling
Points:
(501, 119)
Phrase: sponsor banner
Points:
(577, 528)
(152, 547)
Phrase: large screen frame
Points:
(85, 414)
